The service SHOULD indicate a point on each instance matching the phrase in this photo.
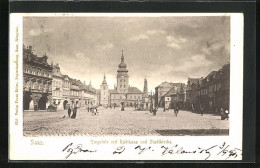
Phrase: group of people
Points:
(224, 114)
(93, 110)
(74, 112)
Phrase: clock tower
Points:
(122, 76)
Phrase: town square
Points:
(137, 79)
(114, 122)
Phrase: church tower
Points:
(122, 76)
(145, 88)
(104, 95)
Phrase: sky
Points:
(158, 48)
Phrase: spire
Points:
(90, 83)
(145, 87)
(122, 57)
(122, 66)
(104, 80)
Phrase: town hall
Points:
(122, 94)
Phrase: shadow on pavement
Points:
(194, 132)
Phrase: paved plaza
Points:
(114, 122)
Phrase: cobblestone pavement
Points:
(129, 122)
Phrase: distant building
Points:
(175, 96)
(66, 91)
(104, 93)
(162, 89)
(87, 95)
(145, 88)
(214, 91)
(122, 94)
(37, 81)
(57, 82)
(191, 92)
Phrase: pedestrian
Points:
(223, 117)
(226, 114)
(201, 110)
(88, 108)
(69, 111)
(74, 113)
(176, 111)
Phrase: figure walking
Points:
(74, 113)
(201, 110)
(176, 111)
(226, 114)
(69, 111)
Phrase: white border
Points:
(20, 148)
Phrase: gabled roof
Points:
(134, 90)
(172, 91)
(74, 87)
(165, 84)
(65, 76)
(195, 80)
(73, 81)
(212, 73)
(176, 84)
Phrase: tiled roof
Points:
(74, 87)
(134, 90)
(112, 91)
(165, 84)
(73, 81)
(194, 80)
(212, 73)
(175, 84)
(172, 91)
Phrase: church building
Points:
(122, 94)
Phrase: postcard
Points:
(126, 86)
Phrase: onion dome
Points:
(122, 66)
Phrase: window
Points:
(124, 86)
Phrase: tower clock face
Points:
(122, 77)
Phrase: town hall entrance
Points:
(64, 104)
(42, 102)
(26, 101)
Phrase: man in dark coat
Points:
(69, 111)
(74, 113)
(201, 110)
(176, 111)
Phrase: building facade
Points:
(122, 94)
(66, 91)
(162, 89)
(104, 93)
(37, 81)
(214, 91)
(176, 96)
(57, 87)
(191, 92)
